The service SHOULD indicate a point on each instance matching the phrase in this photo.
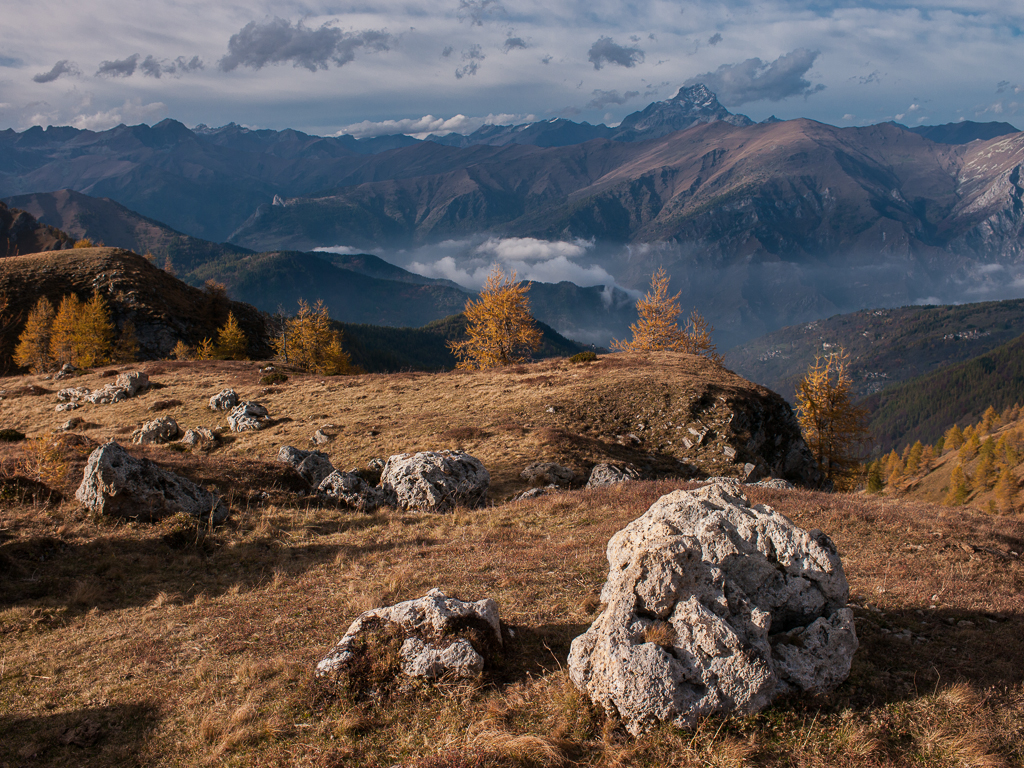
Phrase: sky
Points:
(419, 66)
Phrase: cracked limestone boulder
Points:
(431, 637)
(248, 416)
(116, 483)
(199, 437)
(714, 606)
(348, 489)
(435, 481)
(224, 400)
(157, 432)
(312, 466)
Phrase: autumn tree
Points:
(33, 350)
(500, 329)
(1006, 490)
(959, 487)
(954, 438)
(657, 327)
(311, 343)
(232, 343)
(93, 335)
(62, 337)
(126, 348)
(833, 426)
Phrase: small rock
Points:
(224, 400)
(552, 409)
(157, 432)
(533, 493)
(67, 370)
(609, 474)
(131, 382)
(248, 416)
(312, 466)
(544, 473)
(320, 438)
(350, 490)
(729, 451)
(73, 394)
(70, 424)
(199, 436)
(965, 623)
(64, 407)
(116, 483)
(109, 394)
(433, 626)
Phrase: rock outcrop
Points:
(248, 416)
(440, 637)
(714, 606)
(156, 432)
(125, 385)
(435, 481)
(116, 483)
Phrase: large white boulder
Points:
(116, 483)
(435, 481)
(714, 606)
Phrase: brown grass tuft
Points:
(660, 633)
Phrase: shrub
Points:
(583, 357)
(273, 378)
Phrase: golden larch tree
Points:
(93, 336)
(33, 350)
(657, 327)
(311, 343)
(500, 329)
(232, 343)
(62, 337)
(833, 426)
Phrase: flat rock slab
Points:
(116, 483)
(433, 630)
(435, 481)
(714, 606)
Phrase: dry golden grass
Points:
(133, 644)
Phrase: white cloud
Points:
(421, 127)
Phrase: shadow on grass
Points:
(100, 736)
(115, 572)
(535, 651)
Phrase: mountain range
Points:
(760, 225)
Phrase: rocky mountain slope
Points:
(886, 346)
(162, 308)
(20, 232)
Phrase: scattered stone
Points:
(435, 481)
(73, 394)
(729, 451)
(199, 436)
(224, 400)
(157, 432)
(774, 482)
(109, 394)
(609, 474)
(313, 466)
(66, 371)
(71, 423)
(714, 607)
(131, 382)
(64, 407)
(552, 409)
(533, 493)
(444, 637)
(320, 438)
(350, 490)
(248, 416)
(376, 465)
(116, 483)
(544, 473)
